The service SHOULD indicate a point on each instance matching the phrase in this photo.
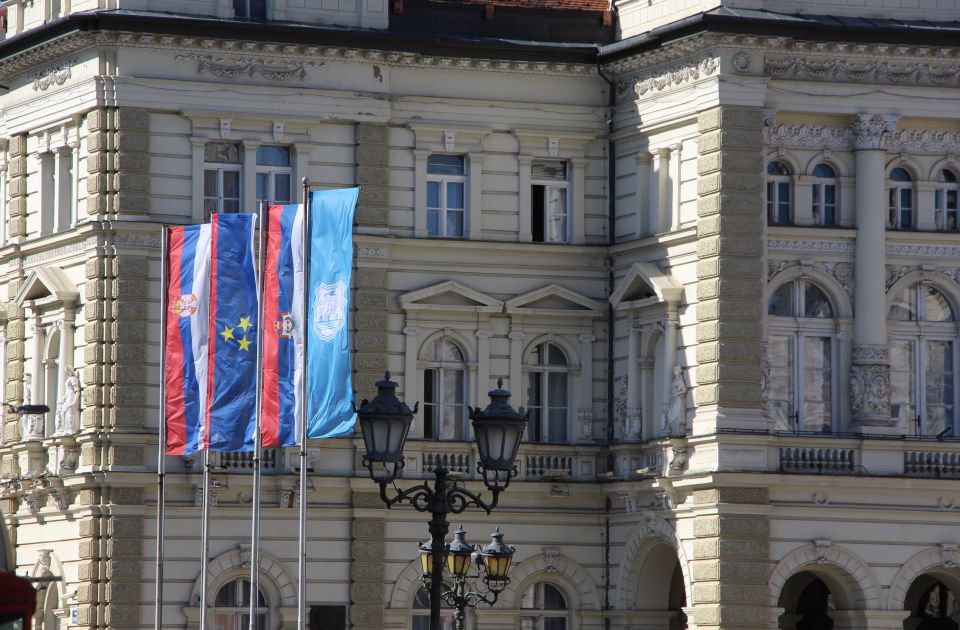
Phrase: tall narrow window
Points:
(779, 193)
(446, 195)
(550, 604)
(549, 202)
(444, 395)
(64, 203)
(947, 202)
(900, 200)
(221, 178)
(274, 174)
(231, 607)
(824, 195)
(800, 358)
(923, 374)
(253, 9)
(547, 394)
(48, 193)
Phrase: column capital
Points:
(422, 154)
(411, 331)
(663, 152)
(587, 338)
(516, 335)
(484, 334)
(642, 157)
(525, 160)
(869, 130)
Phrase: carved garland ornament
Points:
(870, 388)
(940, 74)
(846, 139)
(231, 68)
(670, 76)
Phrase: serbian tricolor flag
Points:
(210, 361)
(185, 337)
(324, 360)
(282, 371)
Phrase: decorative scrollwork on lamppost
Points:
(384, 424)
(491, 563)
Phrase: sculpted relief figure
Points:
(674, 420)
(67, 421)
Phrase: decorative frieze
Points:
(896, 70)
(873, 132)
(58, 74)
(660, 79)
(233, 67)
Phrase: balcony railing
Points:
(818, 461)
(937, 464)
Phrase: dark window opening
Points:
(253, 9)
(537, 212)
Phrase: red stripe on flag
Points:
(212, 340)
(270, 400)
(175, 413)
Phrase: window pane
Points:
(939, 374)
(817, 385)
(210, 207)
(281, 187)
(263, 186)
(825, 171)
(777, 168)
(445, 164)
(433, 194)
(555, 355)
(448, 351)
(272, 155)
(815, 303)
(231, 184)
(455, 194)
(780, 381)
(430, 378)
(210, 180)
(902, 401)
(454, 223)
(433, 223)
(554, 623)
(556, 212)
(781, 302)
(936, 306)
(552, 598)
(900, 175)
(224, 621)
(549, 169)
(903, 307)
(231, 205)
(227, 595)
(222, 152)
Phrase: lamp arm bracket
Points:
(459, 499)
(419, 496)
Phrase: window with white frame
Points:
(900, 204)
(824, 195)
(801, 358)
(421, 619)
(548, 386)
(549, 202)
(444, 391)
(923, 359)
(947, 202)
(446, 195)
(543, 607)
(253, 9)
(779, 193)
(231, 607)
(274, 174)
(222, 174)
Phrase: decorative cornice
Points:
(846, 139)
(660, 79)
(810, 246)
(857, 69)
(871, 131)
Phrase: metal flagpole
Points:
(302, 595)
(162, 442)
(258, 439)
(205, 539)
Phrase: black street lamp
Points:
(492, 565)
(385, 422)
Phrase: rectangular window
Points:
(778, 202)
(64, 189)
(48, 189)
(780, 382)
(274, 174)
(443, 404)
(938, 383)
(221, 178)
(947, 204)
(446, 195)
(817, 414)
(253, 9)
(549, 202)
(903, 405)
(901, 208)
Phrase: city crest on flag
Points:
(329, 309)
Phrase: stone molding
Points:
(849, 569)
(272, 571)
(872, 136)
(568, 572)
(650, 531)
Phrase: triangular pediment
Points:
(644, 284)
(450, 296)
(555, 300)
(47, 282)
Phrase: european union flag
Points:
(232, 349)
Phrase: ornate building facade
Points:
(713, 246)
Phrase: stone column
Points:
(373, 175)
(516, 359)
(585, 414)
(633, 429)
(870, 369)
(642, 217)
(420, 193)
(676, 160)
(475, 190)
(663, 190)
(32, 426)
(483, 368)
(578, 200)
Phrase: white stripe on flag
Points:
(300, 322)
(200, 323)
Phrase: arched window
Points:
(947, 202)
(550, 604)
(824, 195)
(801, 358)
(547, 394)
(779, 193)
(421, 620)
(231, 607)
(444, 391)
(923, 360)
(901, 200)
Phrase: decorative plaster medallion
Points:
(741, 61)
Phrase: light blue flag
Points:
(329, 385)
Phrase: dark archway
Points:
(932, 605)
(807, 602)
(661, 601)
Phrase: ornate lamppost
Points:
(384, 423)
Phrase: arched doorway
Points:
(807, 602)
(933, 603)
(659, 602)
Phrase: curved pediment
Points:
(46, 282)
(555, 300)
(645, 282)
(450, 296)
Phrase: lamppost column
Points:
(439, 526)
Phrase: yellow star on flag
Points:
(227, 333)
(244, 343)
(245, 323)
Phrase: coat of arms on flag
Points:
(329, 309)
